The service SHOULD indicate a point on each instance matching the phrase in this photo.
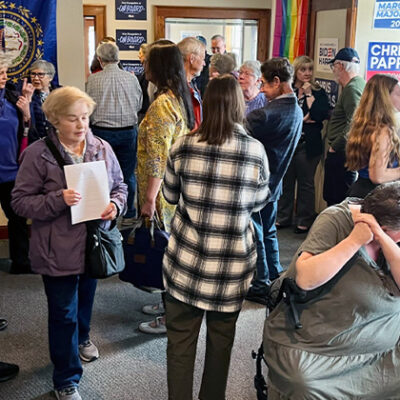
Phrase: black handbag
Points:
(144, 246)
(104, 252)
(104, 255)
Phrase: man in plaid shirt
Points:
(118, 98)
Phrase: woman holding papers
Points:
(57, 247)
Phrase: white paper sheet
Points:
(90, 180)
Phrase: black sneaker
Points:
(17, 269)
(3, 324)
(8, 371)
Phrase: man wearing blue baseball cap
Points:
(345, 67)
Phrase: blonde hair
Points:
(60, 101)
(300, 62)
(374, 113)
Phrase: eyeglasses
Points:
(333, 65)
(40, 75)
(245, 73)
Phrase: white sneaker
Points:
(154, 309)
(128, 221)
(69, 393)
(157, 326)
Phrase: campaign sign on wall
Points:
(327, 49)
(134, 66)
(129, 9)
(130, 39)
(383, 58)
(387, 14)
(331, 88)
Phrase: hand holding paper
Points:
(71, 197)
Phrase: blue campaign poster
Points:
(331, 88)
(131, 9)
(387, 14)
(134, 66)
(130, 39)
(383, 58)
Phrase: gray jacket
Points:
(57, 247)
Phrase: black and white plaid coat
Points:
(211, 253)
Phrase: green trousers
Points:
(183, 323)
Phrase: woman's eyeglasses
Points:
(40, 75)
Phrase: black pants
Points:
(338, 178)
(18, 238)
(361, 187)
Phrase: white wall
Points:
(70, 43)
(365, 33)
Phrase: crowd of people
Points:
(222, 157)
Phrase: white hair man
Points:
(118, 98)
(345, 67)
(193, 52)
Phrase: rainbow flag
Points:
(290, 28)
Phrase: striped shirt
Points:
(118, 97)
(211, 253)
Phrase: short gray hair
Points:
(45, 66)
(190, 45)
(351, 66)
(222, 63)
(218, 37)
(108, 52)
(254, 66)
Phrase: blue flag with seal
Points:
(28, 33)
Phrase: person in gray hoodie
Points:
(57, 248)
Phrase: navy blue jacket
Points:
(278, 127)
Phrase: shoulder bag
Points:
(104, 255)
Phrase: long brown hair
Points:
(223, 107)
(374, 113)
(164, 66)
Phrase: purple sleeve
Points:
(29, 197)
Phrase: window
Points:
(240, 35)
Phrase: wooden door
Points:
(94, 18)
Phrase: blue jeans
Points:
(268, 265)
(70, 302)
(124, 144)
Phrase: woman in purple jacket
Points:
(57, 247)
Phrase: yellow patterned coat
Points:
(163, 123)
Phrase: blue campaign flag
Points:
(28, 33)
